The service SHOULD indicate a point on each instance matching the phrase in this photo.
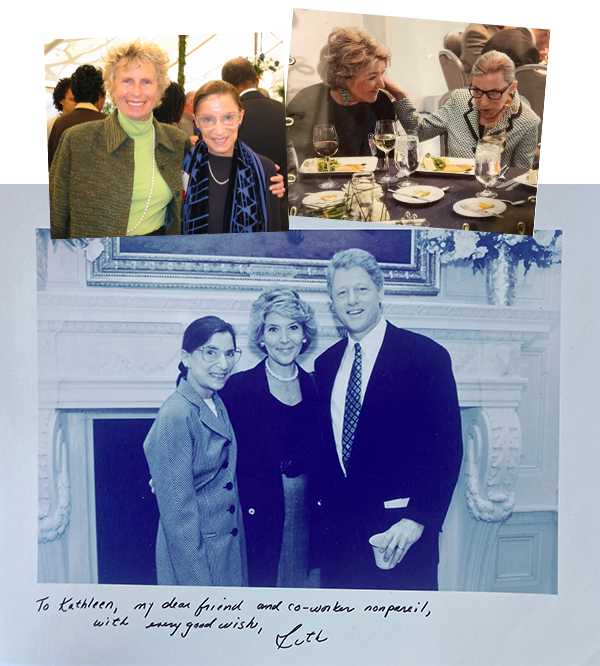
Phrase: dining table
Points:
(516, 219)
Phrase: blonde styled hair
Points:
(135, 54)
(348, 53)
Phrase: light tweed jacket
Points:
(91, 179)
(192, 457)
(459, 119)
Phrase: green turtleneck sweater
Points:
(141, 133)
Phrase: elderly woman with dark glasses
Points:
(225, 182)
(191, 452)
(491, 102)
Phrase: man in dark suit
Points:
(88, 90)
(263, 127)
(473, 40)
(524, 45)
(393, 440)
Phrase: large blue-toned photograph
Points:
(312, 409)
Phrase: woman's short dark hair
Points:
(287, 303)
(87, 84)
(348, 53)
(198, 333)
(60, 92)
(172, 105)
(216, 88)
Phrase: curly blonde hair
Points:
(287, 303)
(348, 53)
(135, 54)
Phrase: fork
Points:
(480, 210)
(514, 203)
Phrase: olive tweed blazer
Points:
(91, 179)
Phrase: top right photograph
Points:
(415, 122)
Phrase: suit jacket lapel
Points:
(471, 117)
(219, 425)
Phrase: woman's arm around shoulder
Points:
(273, 205)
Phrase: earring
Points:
(346, 96)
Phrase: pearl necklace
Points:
(151, 185)
(279, 377)
(218, 182)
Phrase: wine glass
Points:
(325, 141)
(385, 136)
(406, 156)
(487, 166)
(292, 170)
(495, 136)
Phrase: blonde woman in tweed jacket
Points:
(192, 455)
(121, 176)
(468, 111)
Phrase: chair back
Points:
(532, 86)
(453, 42)
(453, 70)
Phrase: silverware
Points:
(514, 203)
(506, 184)
(502, 172)
(482, 212)
(512, 187)
(412, 196)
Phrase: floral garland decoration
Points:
(543, 249)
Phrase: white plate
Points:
(435, 194)
(524, 180)
(451, 160)
(499, 207)
(310, 165)
(317, 199)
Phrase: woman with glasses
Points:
(273, 411)
(191, 451)
(492, 102)
(225, 182)
(122, 176)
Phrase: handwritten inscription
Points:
(295, 637)
(176, 617)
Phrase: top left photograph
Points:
(175, 135)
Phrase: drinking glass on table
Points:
(487, 166)
(292, 170)
(406, 156)
(385, 136)
(495, 136)
(325, 141)
(361, 195)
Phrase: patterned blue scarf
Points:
(246, 205)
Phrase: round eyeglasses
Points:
(213, 354)
(229, 120)
(492, 94)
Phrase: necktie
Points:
(352, 405)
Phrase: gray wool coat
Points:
(192, 457)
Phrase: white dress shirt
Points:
(370, 346)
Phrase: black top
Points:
(354, 123)
(221, 168)
(315, 106)
(273, 438)
(517, 44)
